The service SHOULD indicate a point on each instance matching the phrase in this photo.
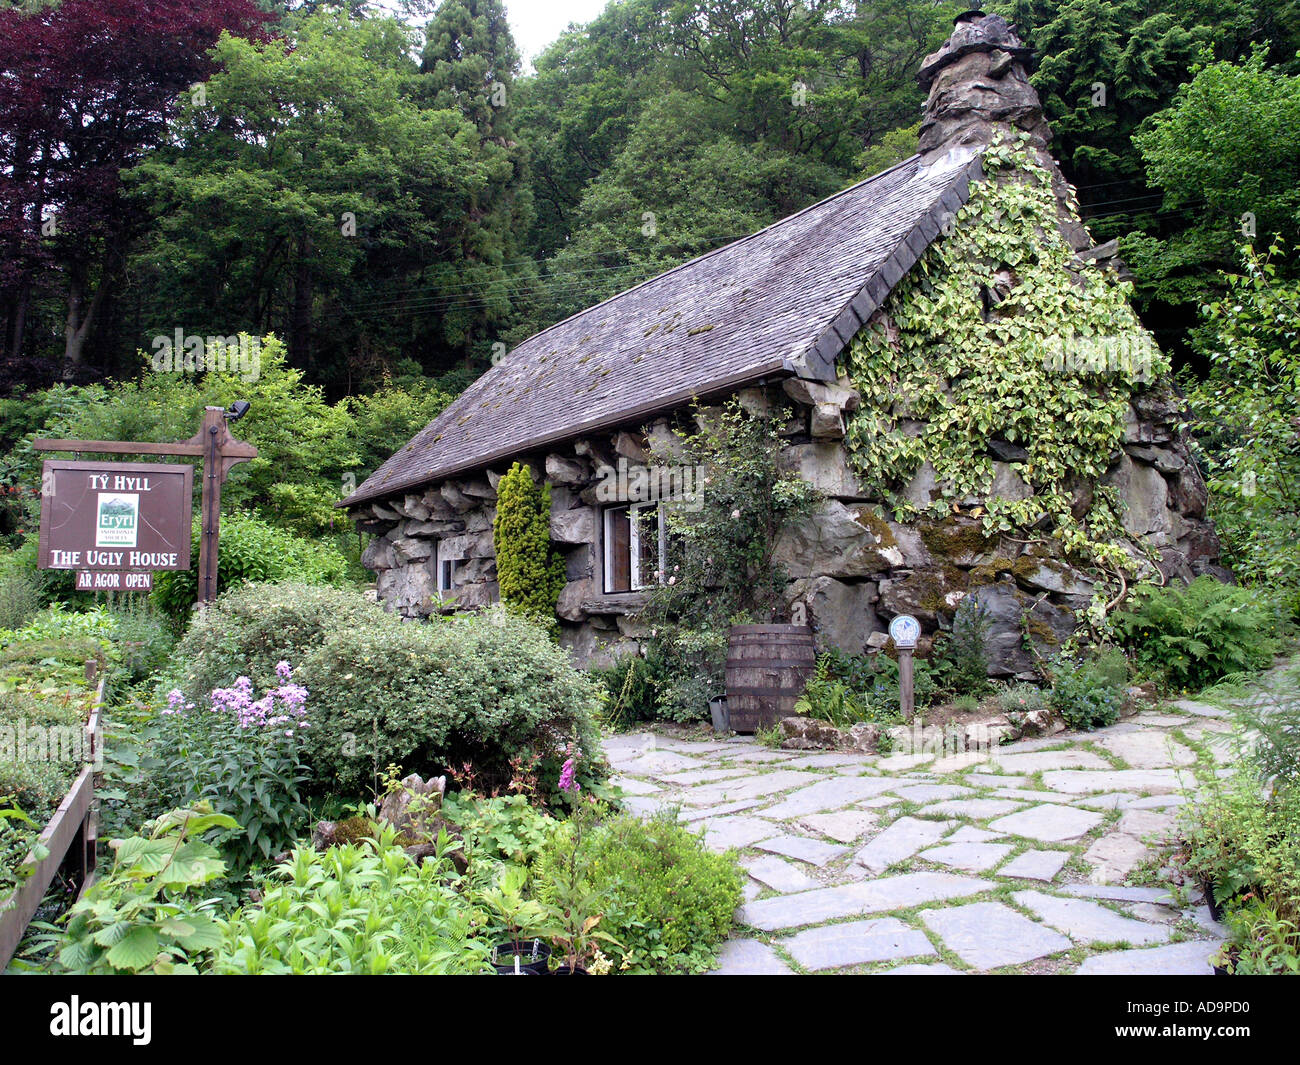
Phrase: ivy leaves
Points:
(994, 336)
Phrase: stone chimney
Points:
(978, 84)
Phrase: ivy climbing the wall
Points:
(1001, 336)
(530, 571)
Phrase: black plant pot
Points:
(565, 970)
(1207, 887)
(532, 957)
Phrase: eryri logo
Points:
(77, 1018)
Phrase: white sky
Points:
(536, 23)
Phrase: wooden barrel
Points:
(767, 668)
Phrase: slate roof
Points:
(784, 300)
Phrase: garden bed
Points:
(38, 691)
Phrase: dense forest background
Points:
(394, 201)
(394, 197)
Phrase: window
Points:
(448, 568)
(633, 544)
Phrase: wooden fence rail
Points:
(69, 839)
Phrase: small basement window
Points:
(633, 542)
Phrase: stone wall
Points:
(851, 566)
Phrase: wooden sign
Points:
(213, 444)
(115, 517)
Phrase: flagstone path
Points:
(1037, 857)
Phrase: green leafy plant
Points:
(721, 567)
(362, 908)
(480, 696)
(1087, 693)
(829, 699)
(968, 348)
(1022, 699)
(669, 901)
(1195, 635)
(520, 918)
(140, 916)
(1245, 422)
(530, 571)
(242, 756)
(501, 828)
(960, 662)
(251, 550)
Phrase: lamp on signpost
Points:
(905, 631)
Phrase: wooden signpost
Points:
(116, 523)
(905, 630)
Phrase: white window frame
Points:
(447, 585)
(636, 580)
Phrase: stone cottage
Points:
(810, 320)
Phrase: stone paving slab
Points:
(828, 794)
(975, 809)
(812, 851)
(1147, 750)
(1048, 822)
(995, 780)
(1023, 794)
(723, 833)
(991, 935)
(1155, 802)
(931, 792)
(1118, 892)
(1038, 761)
(752, 787)
(657, 764)
(900, 840)
(703, 776)
(971, 857)
(971, 834)
(1085, 921)
(881, 895)
(1176, 959)
(779, 874)
(686, 814)
(1115, 800)
(1156, 720)
(632, 786)
(837, 946)
(846, 826)
(749, 957)
(934, 969)
(1114, 856)
(1190, 706)
(1081, 782)
(831, 760)
(1035, 865)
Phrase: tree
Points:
(309, 193)
(87, 89)
(530, 572)
(1248, 421)
(469, 64)
(1228, 151)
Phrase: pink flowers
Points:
(279, 707)
(568, 773)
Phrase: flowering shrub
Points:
(488, 698)
(251, 628)
(242, 754)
